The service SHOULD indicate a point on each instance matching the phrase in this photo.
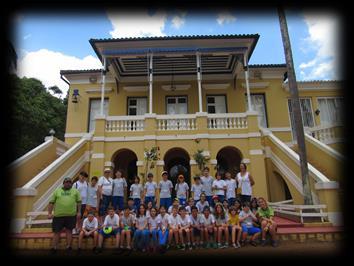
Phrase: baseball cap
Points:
(107, 170)
(164, 172)
(215, 197)
(67, 179)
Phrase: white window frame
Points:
(176, 97)
(136, 106)
(213, 104)
(326, 98)
(89, 110)
(264, 105)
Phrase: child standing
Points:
(127, 222)
(197, 188)
(184, 228)
(234, 227)
(221, 225)
(92, 197)
(81, 185)
(219, 187)
(207, 182)
(165, 187)
(119, 190)
(136, 192)
(202, 203)
(182, 190)
(231, 186)
(208, 227)
(163, 227)
(141, 233)
(89, 229)
(150, 190)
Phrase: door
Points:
(137, 106)
(216, 104)
(259, 105)
(306, 113)
(95, 109)
(176, 105)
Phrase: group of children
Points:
(209, 218)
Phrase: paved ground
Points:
(285, 249)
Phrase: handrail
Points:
(325, 148)
(227, 115)
(125, 117)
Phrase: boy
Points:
(219, 187)
(127, 222)
(231, 186)
(196, 229)
(163, 230)
(174, 204)
(197, 188)
(247, 218)
(207, 182)
(81, 185)
(131, 206)
(93, 198)
(173, 227)
(136, 192)
(165, 187)
(89, 229)
(208, 227)
(150, 190)
(202, 203)
(111, 221)
(184, 227)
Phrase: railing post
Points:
(97, 157)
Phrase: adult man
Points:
(66, 202)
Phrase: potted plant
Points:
(201, 158)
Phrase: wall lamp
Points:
(75, 96)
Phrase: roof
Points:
(267, 66)
(80, 71)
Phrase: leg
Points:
(122, 236)
(117, 239)
(170, 236)
(69, 237)
(233, 234)
(273, 231)
(56, 240)
(100, 240)
(263, 226)
(188, 233)
(180, 232)
(219, 234)
(128, 236)
(81, 236)
(95, 238)
(175, 233)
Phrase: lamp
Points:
(75, 96)
(51, 132)
(317, 112)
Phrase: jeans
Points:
(166, 202)
(163, 237)
(154, 233)
(245, 198)
(182, 201)
(209, 200)
(221, 198)
(137, 203)
(118, 202)
(105, 203)
(231, 201)
(152, 199)
(141, 238)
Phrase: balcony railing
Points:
(325, 133)
(176, 122)
(125, 123)
(227, 121)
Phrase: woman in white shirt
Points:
(119, 190)
(219, 187)
(245, 182)
(105, 187)
(136, 192)
(182, 190)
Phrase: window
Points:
(176, 105)
(95, 109)
(259, 105)
(137, 106)
(330, 110)
(306, 113)
(216, 104)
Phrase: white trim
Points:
(325, 148)
(97, 155)
(290, 144)
(74, 135)
(60, 151)
(178, 87)
(17, 225)
(135, 88)
(31, 154)
(333, 141)
(314, 86)
(256, 152)
(268, 152)
(246, 161)
(192, 162)
(108, 164)
(213, 161)
(43, 201)
(25, 191)
(48, 138)
(39, 178)
(99, 138)
(216, 86)
(280, 129)
(99, 116)
(86, 80)
(201, 114)
(62, 143)
(139, 163)
(327, 185)
(336, 218)
(98, 90)
(160, 162)
(256, 85)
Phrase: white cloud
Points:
(45, 65)
(179, 20)
(323, 30)
(137, 24)
(27, 36)
(225, 17)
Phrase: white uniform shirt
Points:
(244, 183)
(197, 189)
(184, 221)
(173, 220)
(107, 185)
(92, 196)
(197, 220)
(153, 222)
(163, 221)
(219, 184)
(136, 190)
(207, 221)
(118, 186)
(181, 190)
(231, 187)
(108, 221)
(82, 188)
(88, 226)
(207, 183)
(165, 187)
(140, 220)
(201, 205)
(150, 188)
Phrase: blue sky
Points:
(47, 43)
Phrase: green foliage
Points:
(150, 157)
(34, 112)
(200, 159)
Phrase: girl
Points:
(196, 189)
(127, 222)
(234, 227)
(246, 219)
(245, 182)
(93, 198)
(221, 225)
(136, 192)
(207, 182)
(190, 205)
(153, 227)
(142, 233)
(196, 229)
(150, 190)
(173, 227)
(148, 209)
(202, 203)
(238, 206)
(163, 227)
(254, 206)
(184, 227)
(165, 187)
(231, 187)
(119, 191)
(208, 226)
(219, 187)
(266, 216)
(182, 190)
(225, 205)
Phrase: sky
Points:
(49, 42)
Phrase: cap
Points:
(67, 179)
(107, 170)
(179, 176)
(215, 197)
(164, 173)
(176, 199)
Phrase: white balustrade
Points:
(125, 123)
(323, 133)
(176, 122)
(227, 121)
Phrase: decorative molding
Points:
(98, 138)
(256, 152)
(178, 87)
(327, 185)
(25, 191)
(99, 116)
(108, 164)
(74, 135)
(135, 88)
(97, 155)
(139, 163)
(246, 161)
(256, 85)
(213, 161)
(108, 90)
(216, 86)
(280, 129)
(325, 148)
(192, 162)
(160, 163)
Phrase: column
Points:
(247, 84)
(150, 84)
(103, 83)
(199, 78)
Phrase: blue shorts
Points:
(113, 233)
(182, 201)
(251, 230)
(196, 232)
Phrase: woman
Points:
(266, 215)
(245, 182)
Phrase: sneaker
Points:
(219, 245)
(215, 245)
(275, 243)
(207, 245)
(190, 247)
(238, 244)
(243, 243)
(75, 231)
(178, 247)
(253, 243)
(226, 245)
(263, 242)
(183, 247)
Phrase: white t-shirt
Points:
(195, 221)
(184, 221)
(181, 190)
(118, 186)
(88, 226)
(165, 187)
(140, 220)
(201, 205)
(170, 209)
(108, 221)
(188, 209)
(231, 186)
(244, 183)
(92, 196)
(136, 190)
(207, 183)
(207, 221)
(163, 221)
(197, 189)
(248, 221)
(153, 222)
(150, 188)
(82, 188)
(173, 220)
(219, 184)
(107, 185)
(220, 221)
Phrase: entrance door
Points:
(176, 105)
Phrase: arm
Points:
(50, 210)
(98, 200)
(251, 180)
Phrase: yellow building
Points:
(184, 94)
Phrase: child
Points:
(92, 197)
(238, 206)
(184, 228)
(165, 187)
(174, 204)
(207, 182)
(119, 190)
(231, 186)
(153, 228)
(208, 226)
(246, 219)
(254, 206)
(202, 203)
(150, 190)
(89, 228)
(81, 185)
(105, 187)
(136, 192)
(173, 227)
(234, 227)
(127, 222)
(219, 187)
(141, 235)
(182, 190)
(111, 220)
(197, 188)
(221, 225)
(225, 205)
(189, 206)
(131, 206)
(196, 229)
(163, 227)
(215, 200)
(266, 215)
(148, 208)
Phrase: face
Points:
(141, 210)
(180, 179)
(218, 177)
(218, 209)
(246, 209)
(206, 213)
(175, 203)
(136, 180)
(174, 211)
(126, 212)
(206, 173)
(197, 181)
(162, 211)
(149, 205)
(107, 174)
(111, 213)
(202, 198)
(150, 178)
(130, 203)
(164, 177)
(90, 218)
(228, 175)
(262, 203)
(233, 212)
(191, 202)
(81, 177)
(153, 212)
(183, 213)
(237, 204)
(242, 168)
(118, 174)
(194, 212)
(225, 204)
(93, 182)
(67, 184)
